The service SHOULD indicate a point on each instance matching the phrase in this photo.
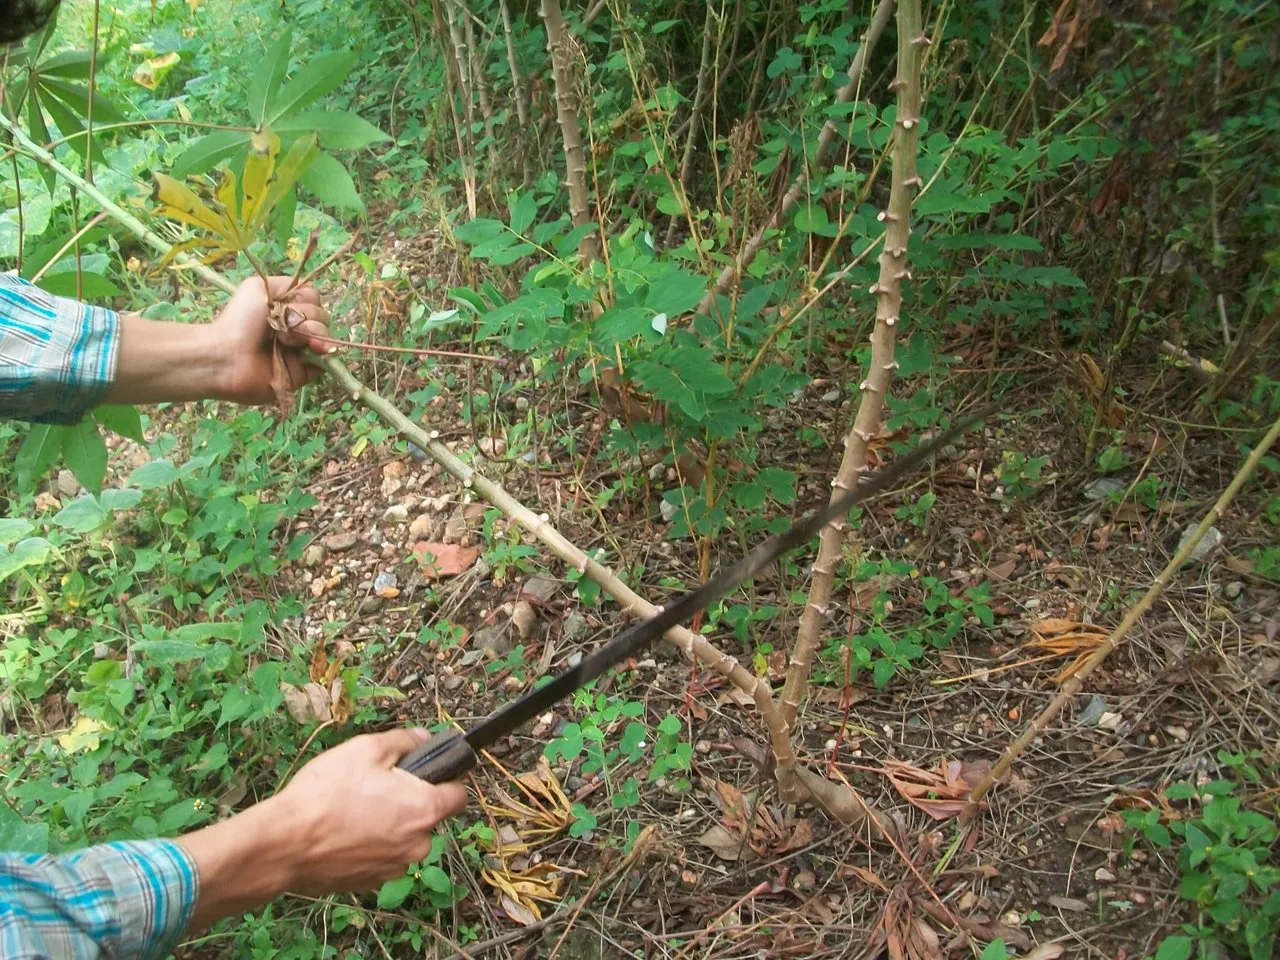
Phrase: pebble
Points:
(1102, 488)
(522, 404)
(313, 556)
(101, 650)
(492, 447)
(417, 452)
(1233, 589)
(420, 529)
(1211, 539)
(540, 588)
(702, 747)
(523, 618)
(386, 586)
(68, 485)
(495, 640)
(668, 509)
(452, 683)
(370, 605)
(338, 542)
(575, 627)
(397, 512)
(1103, 875)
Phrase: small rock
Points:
(313, 556)
(370, 605)
(101, 650)
(421, 527)
(455, 528)
(1103, 488)
(338, 542)
(575, 627)
(657, 472)
(1068, 903)
(522, 404)
(386, 586)
(702, 747)
(68, 485)
(523, 618)
(668, 510)
(1178, 733)
(512, 683)
(968, 900)
(540, 588)
(396, 468)
(1092, 712)
(831, 396)
(494, 640)
(1110, 721)
(396, 513)
(417, 452)
(492, 447)
(1103, 875)
(543, 726)
(1211, 539)
(1233, 589)
(391, 486)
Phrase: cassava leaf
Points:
(313, 81)
(208, 151)
(336, 131)
(266, 82)
(85, 452)
(332, 185)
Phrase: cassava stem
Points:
(875, 385)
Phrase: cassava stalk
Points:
(838, 800)
(562, 74)
(1072, 686)
(888, 294)
(879, 21)
(695, 113)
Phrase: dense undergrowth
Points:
(1097, 229)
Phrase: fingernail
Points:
(331, 349)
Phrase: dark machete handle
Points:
(446, 756)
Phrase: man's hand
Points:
(229, 359)
(243, 337)
(348, 821)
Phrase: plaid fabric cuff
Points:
(57, 355)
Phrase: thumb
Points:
(390, 745)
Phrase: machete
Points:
(451, 753)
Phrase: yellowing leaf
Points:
(299, 156)
(264, 147)
(150, 72)
(85, 734)
(179, 202)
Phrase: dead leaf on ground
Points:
(1048, 951)
(941, 794)
(725, 844)
(314, 703)
(444, 559)
(1004, 570)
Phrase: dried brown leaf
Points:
(308, 704)
(724, 844)
(1048, 951)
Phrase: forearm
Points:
(245, 861)
(166, 362)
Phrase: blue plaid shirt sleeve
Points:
(57, 355)
(122, 900)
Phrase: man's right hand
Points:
(348, 821)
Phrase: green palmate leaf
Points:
(39, 450)
(122, 419)
(38, 258)
(157, 473)
(169, 651)
(114, 499)
(311, 82)
(337, 131)
(331, 184)
(208, 151)
(523, 212)
(85, 452)
(266, 82)
(40, 133)
(82, 515)
(76, 97)
(71, 65)
(814, 219)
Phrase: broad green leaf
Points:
(813, 219)
(13, 529)
(114, 499)
(313, 81)
(122, 419)
(31, 552)
(40, 133)
(199, 632)
(675, 291)
(433, 878)
(330, 182)
(394, 892)
(1176, 947)
(523, 212)
(157, 473)
(337, 131)
(92, 286)
(670, 205)
(69, 125)
(266, 81)
(208, 151)
(85, 452)
(662, 26)
(39, 450)
(169, 651)
(479, 230)
(82, 515)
